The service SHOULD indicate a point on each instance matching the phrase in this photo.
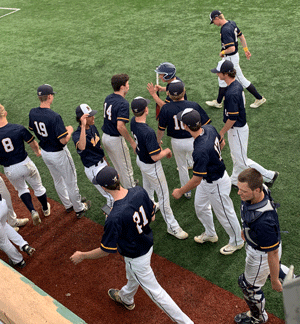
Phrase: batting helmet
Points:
(167, 69)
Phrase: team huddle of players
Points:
(195, 144)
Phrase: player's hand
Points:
(151, 89)
(243, 236)
(221, 54)
(276, 285)
(69, 129)
(83, 119)
(77, 257)
(168, 153)
(248, 55)
(38, 152)
(177, 193)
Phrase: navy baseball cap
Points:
(106, 177)
(224, 66)
(85, 109)
(45, 90)
(213, 15)
(190, 117)
(176, 87)
(139, 104)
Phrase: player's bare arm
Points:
(81, 144)
(121, 126)
(35, 147)
(273, 261)
(228, 50)
(160, 135)
(244, 44)
(164, 153)
(66, 139)
(152, 90)
(229, 123)
(192, 183)
(79, 256)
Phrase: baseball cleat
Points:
(205, 238)
(70, 209)
(214, 103)
(21, 222)
(47, 211)
(87, 205)
(188, 195)
(230, 249)
(28, 249)
(258, 102)
(246, 318)
(178, 233)
(19, 265)
(114, 295)
(35, 217)
(270, 184)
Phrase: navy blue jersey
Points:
(93, 152)
(12, 148)
(146, 141)
(229, 36)
(48, 127)
(126, 228)
(234, 104)
(168, 118)
(168, 99)
(261, 224)
(116, 108)
(208, 162)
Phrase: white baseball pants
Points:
(154, 180)
(26, 171)
(118, 152)
(139, 272)
(183, 149)
(63, 172)
(238, 144)
(11, 215)
(91, 172)
(235, 59)
(256, 273)
(216, 195)
(8, 236)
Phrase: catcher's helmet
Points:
(167, 69)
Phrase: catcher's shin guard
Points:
(254, 298)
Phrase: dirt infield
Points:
(83, 288)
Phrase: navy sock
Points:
(43, 201)
(26, 198)
(254, 92)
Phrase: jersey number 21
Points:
(137, 219)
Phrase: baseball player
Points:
(236, 126)
(167, 73)
(116, 115)
(261, 232)
(212, 182)
(54, 136)
(87, 141)
(149, 154)
(8, 236)
(181, 140)
(127, 231)
(18, 167)
(12, 219)
(230, 34)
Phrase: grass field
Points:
(76, 46)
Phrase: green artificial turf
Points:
(76, 46)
